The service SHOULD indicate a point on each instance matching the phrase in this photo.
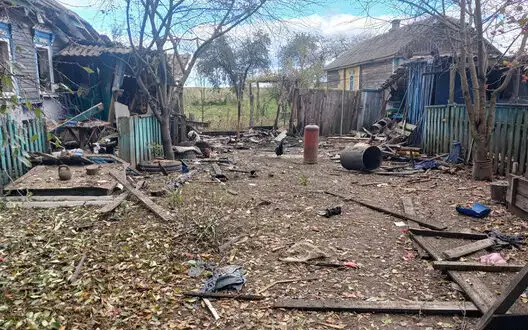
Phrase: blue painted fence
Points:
(16, 140)
(137, 135)
(508, 144)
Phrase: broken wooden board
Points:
(470, 248)
(114, 204)
(447, 234)
(408, 206)
(340, 305)
(421, 222)
(475, 267)
(220, 295)
(509, 322)
(218, 174)
(517, 196)
(56, 198)
(49, 205)
(508, 297)
(474, 288)
(156, 209)
(44, 180)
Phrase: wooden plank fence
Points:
(137, 136)
(323, 108)
(16, 139)
(508, 144)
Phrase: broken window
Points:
(44, 69)
(7, 83)
(43, 43)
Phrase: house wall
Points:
(373, 75)
(337, 78)
(25, 57)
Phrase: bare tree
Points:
(467, 36)
(168, 37)
(230, 61)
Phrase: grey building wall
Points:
(373, 75)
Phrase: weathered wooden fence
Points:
(16, 139)
(324, 108)
(137, 137)
(509, 142)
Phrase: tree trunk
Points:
(251, 107)
(166, 139)
(482, 170)
(239, 113)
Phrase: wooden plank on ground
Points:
(114, 204)
(464, 250)
(475, 266)
(398, 215)
(447, 234)
(509, 322)
(49, 205)
(340, 305)
(156, 209)
(220, 295)
(508, 297)
(408, 206)
(477, 291)
(106, 198)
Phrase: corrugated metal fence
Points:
(137, 137)
(16, 139)
(509, 142)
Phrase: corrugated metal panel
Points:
(419, 95)
(92, 50)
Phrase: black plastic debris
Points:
(330, 212)
(231, 277)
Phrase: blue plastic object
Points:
(477, 210)
(455, 156)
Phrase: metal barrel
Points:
(361, 157)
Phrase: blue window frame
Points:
(351, 82)
(43, 56)
(10, 87)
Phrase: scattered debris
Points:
(217, 295)
(77, 272)
(475, 266)
(218, 173)
(494, 258)
(288, 281)
(463, 250)
(330, 212)
(303, 252)
(211, 309)
(231, 277)
(477, 210)
(504, 240)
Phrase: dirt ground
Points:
(136, 266)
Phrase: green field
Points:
(220, 107)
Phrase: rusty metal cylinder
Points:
(311, 144)
(361, 157)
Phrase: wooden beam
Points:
(452, 76)
(508, 297)
(470, 248)
(475, 266)
(56, 198)
(339, 305)
(447, 234)
(510, 322)
(113, 205)
(398, 215)
(408, 206)
(219, 295)
(49, 205)
(477, 291)
(156, 209)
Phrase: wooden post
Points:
(452, 75)
(251, 106)
(342, 104)
(127, 147)
(258, 101)
(279, 103)
(516, 83)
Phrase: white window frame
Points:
(10, 63)
(50, 67)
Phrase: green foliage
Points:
(156, 150)
(228, 61)
(88, 69)
(303, 180)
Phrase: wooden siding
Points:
(136, 136)
(508, 143)
(375, 74)
(17, 139)
(323, 108)
(24, 55)
(332, 78)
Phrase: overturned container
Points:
(361, 157)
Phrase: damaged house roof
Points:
(420, 38)
(68, 25)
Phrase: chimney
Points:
(395, 25)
